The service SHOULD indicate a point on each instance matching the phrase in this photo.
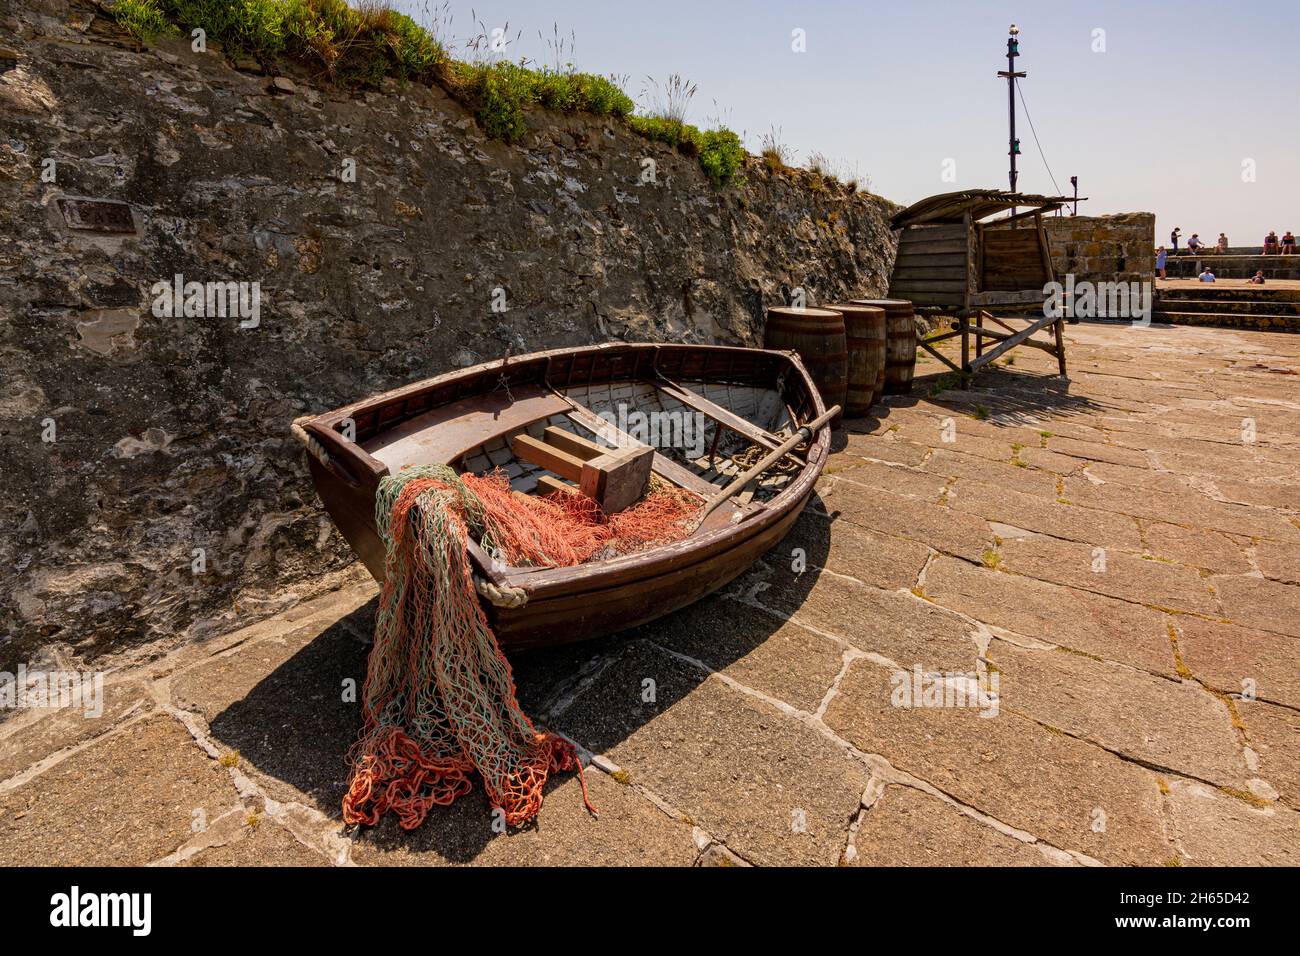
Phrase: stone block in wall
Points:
(1103, 248)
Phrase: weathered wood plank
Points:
(726, 417)
(575, 445)
(913, 273)
(926, 259)
(952, 300)
(552, 459)
(921, 246)
(928, 285)
(933, 231)
(1009, 344)
(549, 484)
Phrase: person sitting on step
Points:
(1194, 244)
(1270, 243)
(1207, 275)
(1257, 278)
(1288, 243)
(1221, 247)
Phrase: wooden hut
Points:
(954, 261)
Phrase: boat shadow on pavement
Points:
(293, 729)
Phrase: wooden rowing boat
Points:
(748, 401)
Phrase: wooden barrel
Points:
(900, 343)
(817, 335)
(864, 335)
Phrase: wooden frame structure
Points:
(952, 260)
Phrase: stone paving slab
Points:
(126, 800)
(38, 734)
(1038, 780)
(1226, 657)
(882, 446)
(895, 624)
(1262, 604)
(953, 463)
(1214, 829)
(1079, 620)
(1046, 516)
(1124, 710)
(265, 844)
(1144, 478)
(1192, 509)
(1279, 562)
(756, 647)
(1097, 451)
(892, 478)
(1147, 713)
(881, 560)
(898, 515)
(1280, 494)
(278, 704)
(906, 827)
(774, 790)
(1274, 735)
(1208, 550)
(1111, 572)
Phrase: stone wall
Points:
(1118, 248)
(1186, 266)
(136, 445)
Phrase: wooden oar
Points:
(802, 435)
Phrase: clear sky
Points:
(1162, 120)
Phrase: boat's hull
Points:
(573, 604)
(605, 610)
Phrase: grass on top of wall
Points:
(361, 46)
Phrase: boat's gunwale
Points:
(597, 574)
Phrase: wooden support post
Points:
(1060, 345)
(966, 369)
(1059, 326)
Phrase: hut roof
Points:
(980, 203)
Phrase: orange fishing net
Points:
(439, 698)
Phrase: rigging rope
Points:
(1041, 154)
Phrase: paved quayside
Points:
(1121, 560)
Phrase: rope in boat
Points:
(439, 698)
(752, 455)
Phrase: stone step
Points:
(1214, 292)
(1262, 323)
(1229, 306)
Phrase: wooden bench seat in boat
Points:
(441, 436)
